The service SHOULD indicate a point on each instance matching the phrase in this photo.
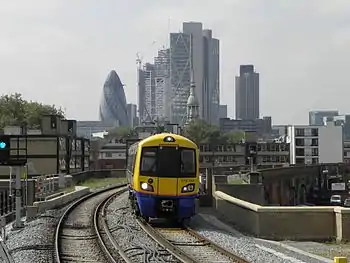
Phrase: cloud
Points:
(60, 51)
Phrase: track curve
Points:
(76, 228)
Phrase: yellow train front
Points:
(163, 175)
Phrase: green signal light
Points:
(3, 145)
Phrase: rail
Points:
(60, 225)
(187, 245)
(98, 225)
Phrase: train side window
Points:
(188, 161)
(133, 163)
(149, 161)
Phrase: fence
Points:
(39, 187)
(8, 201)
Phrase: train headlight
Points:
(188, 188)
(169, 139)
(146, 187)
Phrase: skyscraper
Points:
(211, 78)
(162, 84)
(180, 65)
(147, 92)
(195, 30)
(132, 114)
(247, 93)
(154, 88)
(196, 48)
(113, 101)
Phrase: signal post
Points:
(15, 157)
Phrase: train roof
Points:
(161, 136)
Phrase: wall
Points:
(285, 223)
(82, 176)
(253, 193)
(60, 201)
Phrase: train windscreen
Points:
(168, 162)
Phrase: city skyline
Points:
(297, 58)
(164, 83)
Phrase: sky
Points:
(61, 51)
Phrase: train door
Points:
(168, 170)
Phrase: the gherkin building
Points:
(113, 101)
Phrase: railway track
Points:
(104, 234)
(123, 240)
(188, 246)
(78, 236)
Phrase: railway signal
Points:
(4, 149)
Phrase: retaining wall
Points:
(61, 200)
(316, 223)
(83, 176)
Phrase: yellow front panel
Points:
(145, 179)
(167, 186)
(185, 181)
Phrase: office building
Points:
(313, 144)
(261, 126)
(113, 101)
(146, 92)
(162, 85)
(180, 66)
(222, 111)
(132, 115)
(316, 117)
(247, 93)
(343, 120)
(194, 47)
(211, 78)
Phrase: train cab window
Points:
(149, 161)
(168, 162)
(188, 161)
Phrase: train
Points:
(163, 177)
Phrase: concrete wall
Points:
(253, 193)
(285, 223)
(82, 176)
(62, 200)
(287, 172)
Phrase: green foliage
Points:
(14, 110)
(203, 133)
(234, 137)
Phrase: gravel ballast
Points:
(250, 248)
(129, 235)
(34, 243)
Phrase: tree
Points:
(14, 110)
(203, 133)
(234, 137)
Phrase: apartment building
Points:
(112, 155)
(313, 144)
(268, 154)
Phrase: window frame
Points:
(181, 174)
